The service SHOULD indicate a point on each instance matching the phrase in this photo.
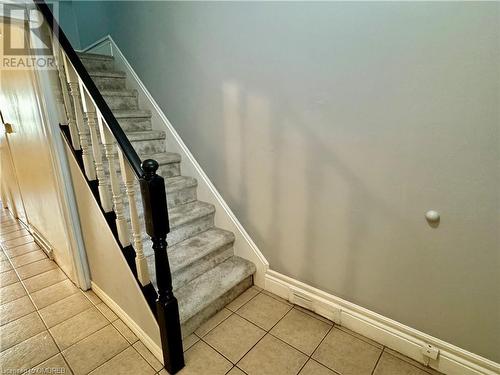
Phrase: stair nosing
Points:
(131, 113)
(190, 183)
(123, 92)
(153, 135)
(94, 56)
(178, 158)
(210, 210)
(229, 241)
(107, 74)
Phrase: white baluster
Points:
(140, 259)
(72, 78)
(90, 115)
(70, 117)
(121, 222)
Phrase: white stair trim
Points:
(406, 340)
(224, 217)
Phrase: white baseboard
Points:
(134, 327)
(406, 340)
(41, 241)
(224, 217)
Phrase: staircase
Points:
(206, 275)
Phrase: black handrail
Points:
(109, 118)
(154, 201)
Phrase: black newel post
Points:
(154, 200)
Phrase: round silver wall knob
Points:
(432, 216)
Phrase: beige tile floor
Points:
(48, 323)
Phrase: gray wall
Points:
(64, 12)
(330, 129)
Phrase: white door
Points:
(11, 195)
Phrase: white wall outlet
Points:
(430, 351)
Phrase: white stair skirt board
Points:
(224, 217)
(129, 322)
(406, 340)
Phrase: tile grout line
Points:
(163, 365)
(423, 368)
(45, 324)
(15, 299)
(13, 247)
(62, 299)
(230, 361)
(19, 230)
(360, 337)
(8, 250)
(292, 307)
(110, 323)
(42, 273)
(33, 261)
(331, 329)
(29, 252)
(378, 360)
(234, 312)
(102, 364)
(7, 227)
(84, 339)
(321, 342)
(258, 292)
(214, 327)
(130, 346)
(60, 351)
(267, 331)
(231, 313)
(39, 316)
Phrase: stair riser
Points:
(135, 124)
(149, 147)
(194, 322)
(143, 148)
(191, 272)
(165, 170)
(122, 102)
(109, 83)
(184, 276)
(97, 65)
(180, 233)
(176, 198)
(190, 229)
(170, 170)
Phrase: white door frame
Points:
(51, 116)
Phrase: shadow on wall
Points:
(330, 140)
(241, 112)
